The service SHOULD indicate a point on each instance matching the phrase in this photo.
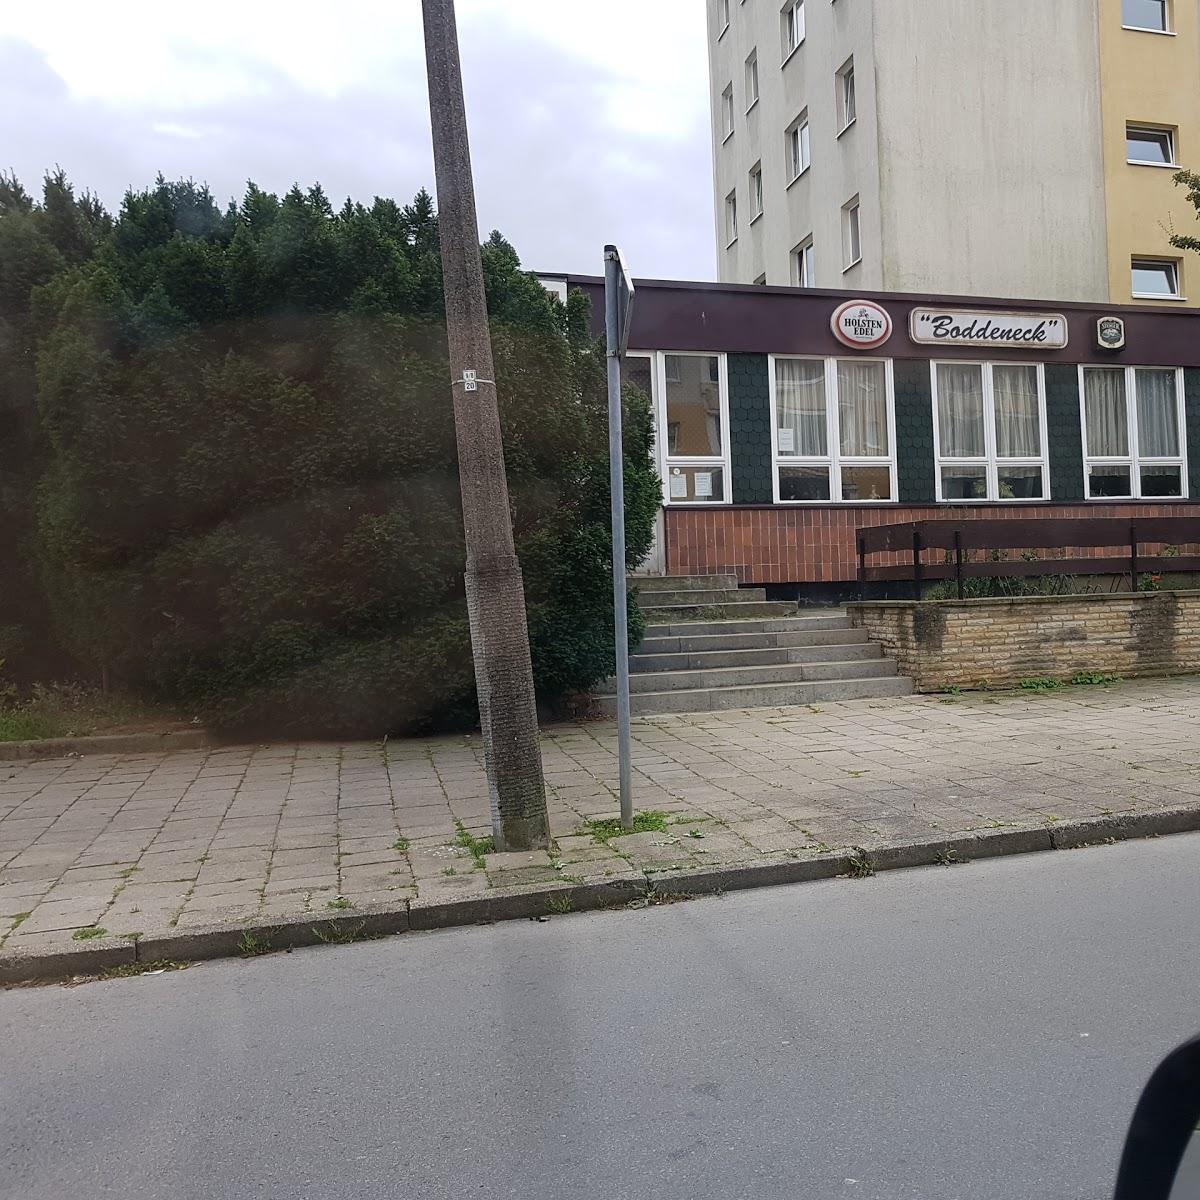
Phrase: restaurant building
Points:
(787, 419)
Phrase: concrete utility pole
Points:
(495, 593)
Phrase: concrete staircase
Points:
(709, 646)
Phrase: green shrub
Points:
(249, 503)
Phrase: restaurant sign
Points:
(861, 324)
(1020, 331)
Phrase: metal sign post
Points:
(618, 310)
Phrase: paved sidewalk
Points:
(164, 843)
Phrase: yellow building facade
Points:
(1150, 104)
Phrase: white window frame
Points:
(834, 460)
(727, 113)
(1168, 24)
(847, 96)
(756, 192)
(723, 9)
(803, 263)
(731, 224)
(798, 135)
(792, 28)
(990, 460)
(753, 90)
(1175, 266)
(851, 232)
(1170, 131)
(1134, 460)
(667, 460)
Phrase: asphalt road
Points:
(976, 1031)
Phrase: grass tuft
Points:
(650, 821)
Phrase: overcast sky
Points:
(573, 144)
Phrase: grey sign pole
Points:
(618, 308)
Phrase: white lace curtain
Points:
(1018, 421)
(800, 400)
(1106, 413)
(1158, 429)
(960, 410)
(862, 409)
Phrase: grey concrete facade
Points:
(975, 153)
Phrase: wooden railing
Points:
(961, 540)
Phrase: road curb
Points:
(264, 936)
(108, 743)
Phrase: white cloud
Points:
(589, 122)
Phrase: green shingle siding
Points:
(750, 429)
(914, 431)
(1063, 433)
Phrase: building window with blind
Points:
(833, 430)
(694, 414)
(990, 431)
(1133, 443)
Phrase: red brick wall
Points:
(816, 544)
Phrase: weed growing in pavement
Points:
(860, 866)
(333, 935)
(338, 902)
(560, 904)
(449, 870)
(400, 844)
(92, 931)
(947, 858)
(475, 847)
(606, 828)
(17, 918)
(1091, 678)
(1041, 685)
(251, 945)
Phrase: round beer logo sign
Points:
(1110, 333)
(862, 324)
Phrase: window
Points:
(1155, 277)
(695, 419)
(723, 6)
(1132, 418)
(1145, 14)
(752, 80)
(756, 192)
(791, 26)
(832, 421)
(851, 235)
(989, 421)
(847, 107)
(731, 218)
(797, 149)
(803, 270)
(727, 112)
(1149, 146)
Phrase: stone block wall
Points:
(1000, 642)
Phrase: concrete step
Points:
(763, 640)
(691, 596)
(743, 677)
(789, 624)
(680, 583)
(729, 610)
(702, 660)
(769, 695)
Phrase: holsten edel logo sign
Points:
(861, 324)
(950, 327)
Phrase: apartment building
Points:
(1021, 148)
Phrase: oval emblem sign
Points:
(862, 324)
